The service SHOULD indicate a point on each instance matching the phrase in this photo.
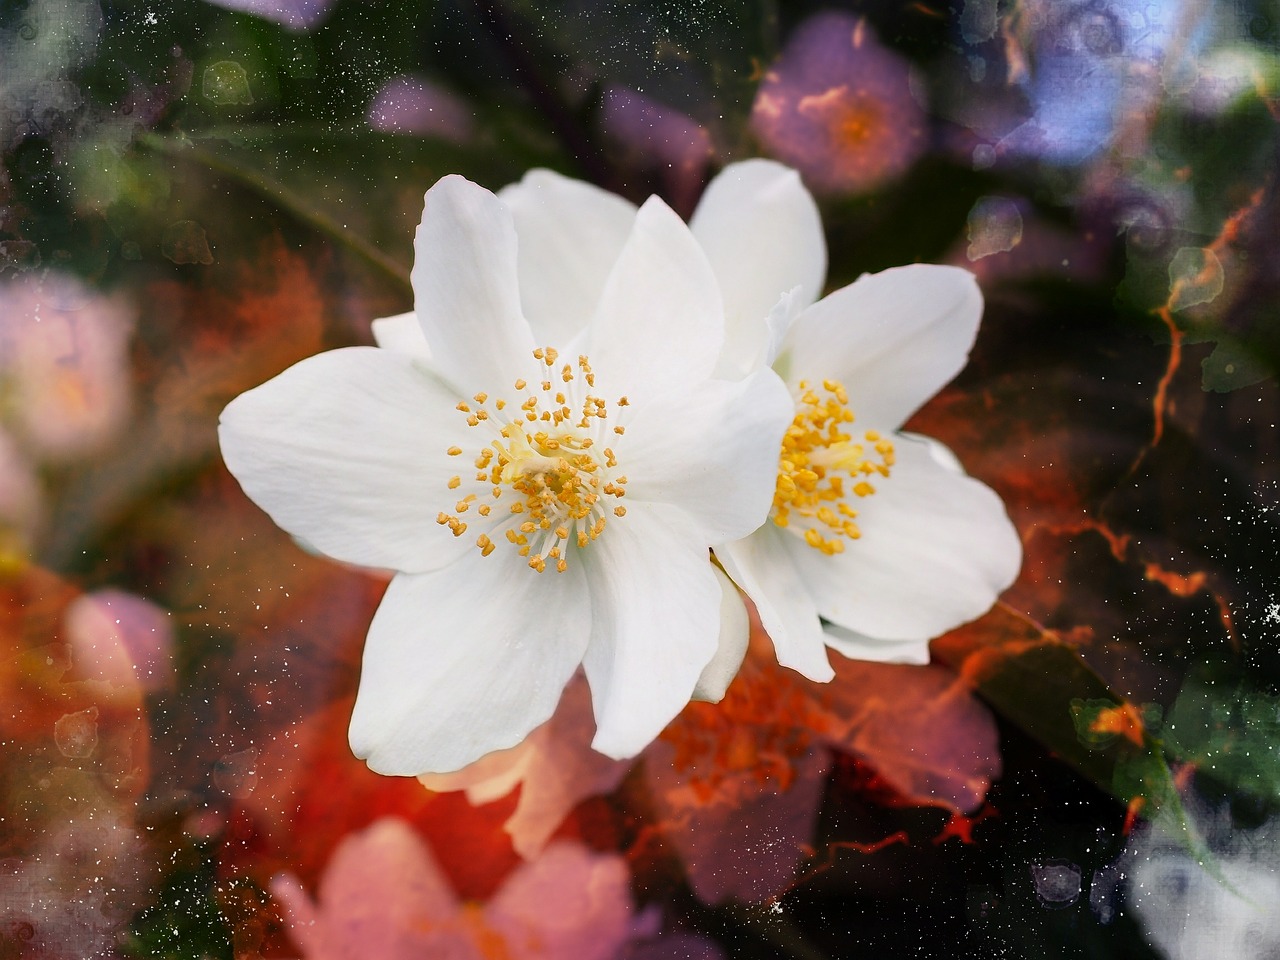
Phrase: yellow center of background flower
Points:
(822, 468)
(544, 460)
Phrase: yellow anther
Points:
(546, 463)
(619, 429)
(624, 402)
(818, 458)
(455, 483)
(462, 405)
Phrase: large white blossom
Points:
(545, 471)
(877, 541)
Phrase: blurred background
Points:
(195, 195)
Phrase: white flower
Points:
(879, 533)
(546, 494)
(930, 548)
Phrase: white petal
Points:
(857, 646)
(655, 622)
(712, 451)
(762, 234)
(762, 566)
(571, 234)
(936, 550)
(346, 450)
(779, 322)
(402, 333)
(735, 633)
(466, 660)
(894, 339)
(660, 319)
(465, 286)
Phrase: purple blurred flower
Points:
(413, 104)
(838, 107)
(659, 136)
(295, 14)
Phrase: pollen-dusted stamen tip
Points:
(545, 461)
(817, 459)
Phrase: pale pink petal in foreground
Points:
(569, 904)
(562, 773)
(555, 768)
(383, 895)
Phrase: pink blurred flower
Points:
(838, 107)
(383, 895)
(413, 104)
(121, 639)
(64, 361)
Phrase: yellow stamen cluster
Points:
(545, 454)
(822, 467)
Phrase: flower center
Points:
(822, 468)
(543, 481)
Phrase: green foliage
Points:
(185, 922)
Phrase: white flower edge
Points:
(468, 653)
